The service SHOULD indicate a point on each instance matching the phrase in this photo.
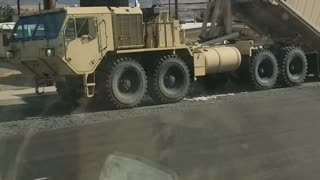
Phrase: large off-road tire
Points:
(169, 82)
(122, 84)
(293, 67)
(263, 70)
(70, 90)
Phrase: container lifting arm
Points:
(220, 13)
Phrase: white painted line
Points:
(44, 178)
(206, 98)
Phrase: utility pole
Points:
(170, 8)
(177, 9)
(49, 4)
(18, 6)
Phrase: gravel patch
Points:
(32, 125)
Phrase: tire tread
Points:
(154, 91)
(283, 77)
(111, 100)
(252, 69)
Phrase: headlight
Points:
(10, 54)
(50, 52)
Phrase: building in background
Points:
(189, 10)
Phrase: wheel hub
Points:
(296, 66)
(125, 85)
(261, 71)
(170, 81)
(292, 68)
(266, 69)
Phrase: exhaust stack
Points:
(49, 4)
(176, 9)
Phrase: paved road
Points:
(248, 136)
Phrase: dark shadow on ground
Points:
(52, 105)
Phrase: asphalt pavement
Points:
(237, 136)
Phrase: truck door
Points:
(82, 43)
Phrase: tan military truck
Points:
(117, 56)
(113, 55)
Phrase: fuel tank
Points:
(213, 60)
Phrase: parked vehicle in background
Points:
(5, 33)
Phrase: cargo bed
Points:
(285, 21)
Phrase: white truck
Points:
(5, 32)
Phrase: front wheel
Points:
(169, 81)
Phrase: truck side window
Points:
(79, 27)
(70, 31)
(82, 26)
(93, 27)
(86, 27)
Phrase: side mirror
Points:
(5, 40)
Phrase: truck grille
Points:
(128, 31)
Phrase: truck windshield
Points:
(38, 27)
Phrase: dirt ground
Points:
(256, 135)
(12, 78)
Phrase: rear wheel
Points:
(293, 67)
(264, 70)
(125, 84)
(169, 82)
